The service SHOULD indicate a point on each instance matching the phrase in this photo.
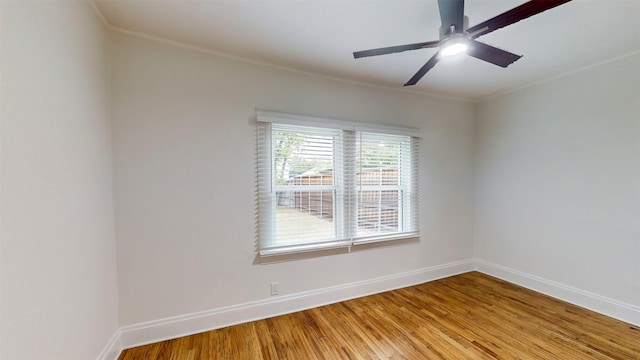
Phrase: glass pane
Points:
(377, 212)
(378, 183)
(377, 151)
(304, 216)
(302, 158)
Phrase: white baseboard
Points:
(174, 327)
(598, 303)
(182, 325)
(113, 348)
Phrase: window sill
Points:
(299, 252)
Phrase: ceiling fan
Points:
(456, 37)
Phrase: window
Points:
(326, 184)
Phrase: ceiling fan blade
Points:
(514, 15)
(395, 49)
(491, 54)
(451, 13)
(423, 70)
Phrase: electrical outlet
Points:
(274, 288)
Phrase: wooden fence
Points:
(377, 208)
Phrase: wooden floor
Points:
(469, 316)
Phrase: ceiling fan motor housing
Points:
(446, 32)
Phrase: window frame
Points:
(266, 189)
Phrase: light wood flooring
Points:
(468, 316)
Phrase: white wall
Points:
(184, 141)
(557, 180)
(59, 290)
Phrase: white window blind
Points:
(386, 183)
(323, 187)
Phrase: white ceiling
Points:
(319, 36)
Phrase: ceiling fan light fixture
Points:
(454, 47)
